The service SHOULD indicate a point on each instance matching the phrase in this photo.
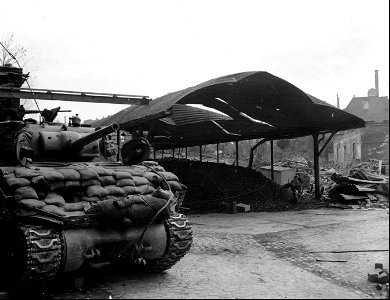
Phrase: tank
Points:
(67, 201)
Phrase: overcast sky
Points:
(155, 47)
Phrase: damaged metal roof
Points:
(245, 106)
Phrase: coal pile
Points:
(213, 187)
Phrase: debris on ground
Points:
(380, 275)
(360, 188)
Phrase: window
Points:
(345, 153)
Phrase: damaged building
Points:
(371, 142)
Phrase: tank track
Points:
(179, 233)
(43, 253)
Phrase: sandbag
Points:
(54, 199)
(169, 176)
(138, 180)
(54, 210)
(141, 167)
(69, 174)
(157, 204)
(79, 206)
(87, 183)
(139, 209)
(25, 192)
(51, 175)
(74, 213)
(131, 190)
(159, 169)
(9, 175)
(140, 213)
(175, 186)
(163, 194)
(142, 209)
(146, 189)
(32, 203)
(14, 182)
(125, 182)
(134, 171)
(35, 180)
(57, 186)
(114, 190)
(25, 172)
(72, 184)
(41, 185)
(150, 163)
(153, 178)
(88, 173)
(121, 175)
(102, 171)
(96, 191)
(107, 180)
(107, 211)
(91, 199)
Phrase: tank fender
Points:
(110, 242)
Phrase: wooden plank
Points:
(365, 181)
(353, 197)
(372, 197)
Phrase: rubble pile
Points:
(359, 189)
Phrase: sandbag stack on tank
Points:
(74, 190)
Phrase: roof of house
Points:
(245, 106)
(370, 108)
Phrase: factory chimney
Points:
(376, 84)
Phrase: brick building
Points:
(371, 142)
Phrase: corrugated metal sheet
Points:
(254, 104)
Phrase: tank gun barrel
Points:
(80, 143)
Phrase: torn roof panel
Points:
(253, 105)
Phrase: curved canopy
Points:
(244, 106)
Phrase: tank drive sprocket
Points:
(32, 257)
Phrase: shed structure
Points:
(248, 105)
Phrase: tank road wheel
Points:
(179, 235)
(31, 257)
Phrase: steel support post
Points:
(118, 142)
(237, 153)
(253, 150)
(316, 166)
(217, 153)
(272, 160)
